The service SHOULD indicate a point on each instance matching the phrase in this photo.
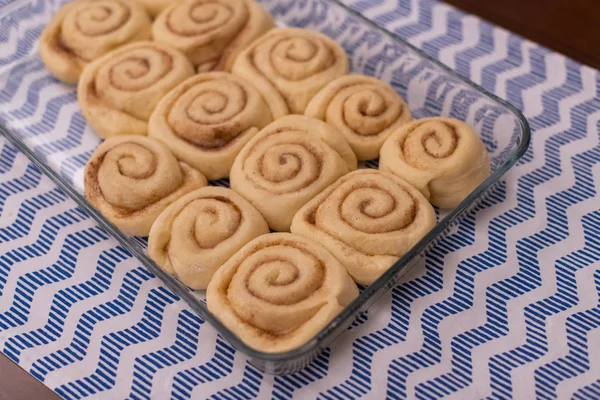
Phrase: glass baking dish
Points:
(41, 117)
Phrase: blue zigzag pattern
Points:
(44, 242)
(578, 325)
(589, 392)
(32, 104)
(528, 80)
(183, 349)
(7, 160)
(64, 300)
(246, 389)
(526, 280)
(528, 248)
(113, 345)
(76, 351)
(403, 296)
(477, 264)
(219, 366)
(285, 386)
(60, 270)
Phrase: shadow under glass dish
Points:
(41, 117)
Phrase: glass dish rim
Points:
(369, 293)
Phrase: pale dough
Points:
(132, 179)
(367, 219)
(118, 92)
(279, 291)
(85, 30)
(288, 163)
(207, 119)
(364, 109)
(196, 234)
(211, 33)
(442, 157)
(289, 66)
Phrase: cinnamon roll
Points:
(364, 109)
(279, 291)
(289, 66)
(84, 30)
(207, 120)
(199, 232)
(118, 92)
(442, 157)
(132, 179)
(155, 7)
(367, 220)
(211, 32)
(288, 163)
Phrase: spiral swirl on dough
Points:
(118, 92)
(207, 120)
(288, 163)
(84, 30)
(367, 219)
(195, 235)
(211, 32)
(364, 109)
(289, 66)
(132, 179)
(442, 157)
(279, 291)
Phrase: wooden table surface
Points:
(571, 27)
(16, 384)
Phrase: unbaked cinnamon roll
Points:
(155, 7)
(207, 120)
(195, 235)
(289, 66)
(211, 32)
(279, 291)
(367, 219)
(118, 92)
(442, 157)
(364, 109)
(84, 30)
(132, 179)
(288, 163)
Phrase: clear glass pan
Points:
(41, 117)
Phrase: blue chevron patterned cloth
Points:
(506, 307)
